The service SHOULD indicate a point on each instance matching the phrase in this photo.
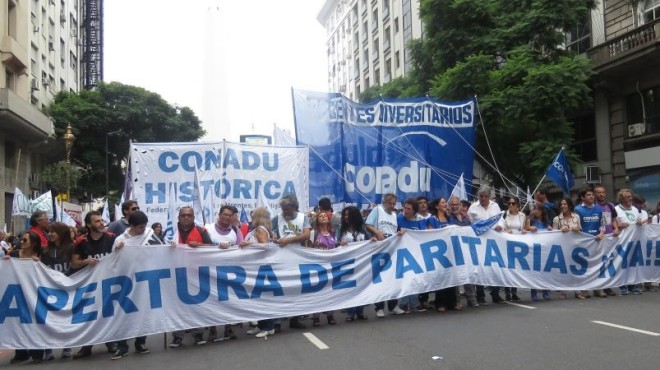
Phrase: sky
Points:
(270, 46)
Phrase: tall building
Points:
(39, 49)
(624, 48)
(366, 41)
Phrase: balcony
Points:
(636, 49)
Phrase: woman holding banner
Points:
(352, 230)
(261, 233)
(567, 221)
(513, 222)
(30, 248)
(324, 238)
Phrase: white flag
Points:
(282, 137)
(171, 228)
(64, 217)
(263, 202)
(44, 203)
(459, 189)
(20, 205)
(105, 215)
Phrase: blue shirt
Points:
(404, 223)
(591, 218)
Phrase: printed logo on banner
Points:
(360, 151)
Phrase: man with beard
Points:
(611, 226)
(88, 250)
(289, 227)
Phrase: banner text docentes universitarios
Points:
(152, 289)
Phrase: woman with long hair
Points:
(30, 248)
(538, 221)
(513, 222)
(567, 221)
(352, 230)
(261, 233)
(57, 256)
(324, 238)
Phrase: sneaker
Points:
(199, 340)
(253, 324)
(254, 331)
(637, 291)
(119, 354)
(141, 349)
(546, 296)
(397, 311)
(49, 357)
(265, 333)
(84, 352)
(229, 334)
(515, 298)
(176, 342)
(66, 353)
(623, 290)
(380, 313)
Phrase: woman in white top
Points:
(566, 221)
(513, 222)
(260, 233)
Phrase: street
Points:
(552, 334)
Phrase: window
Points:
(396, 25)
(11, 20)
(650, 10)
(584, 139)
(397, 60)
(647, 105)
(578, 40)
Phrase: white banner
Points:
(152, 289)
(228, 173)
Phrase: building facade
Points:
(39, 47)
(366, 41)
(625, 54)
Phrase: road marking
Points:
(316, 341)
(626, 328)
(521, 305)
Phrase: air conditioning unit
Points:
(74, 32)
(34, 84)
(45, 82)
(592, 174)
(636, 129)
(35, 28)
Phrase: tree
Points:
(509, 54)
(140, 115)
(61, 175)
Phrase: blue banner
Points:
(358, 151)
(559, 172)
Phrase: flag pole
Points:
(543, 178)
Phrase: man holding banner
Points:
(479, 211)
(39, 225)
(291, 226)
(89, 249)
(382, 223)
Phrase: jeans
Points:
(355, 311)
(390, 305)
(122, 345)
(266, 325)
(412, 301)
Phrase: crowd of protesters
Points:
(68, 250)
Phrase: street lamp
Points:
(107, 161)
(69, 138)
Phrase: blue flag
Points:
(244, 216)
(482, 226)
(560, 172)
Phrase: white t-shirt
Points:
(477, 213)
(382, 221)
(217, 238)
(515, 223)
(627, 215)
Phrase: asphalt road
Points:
(554, 334)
